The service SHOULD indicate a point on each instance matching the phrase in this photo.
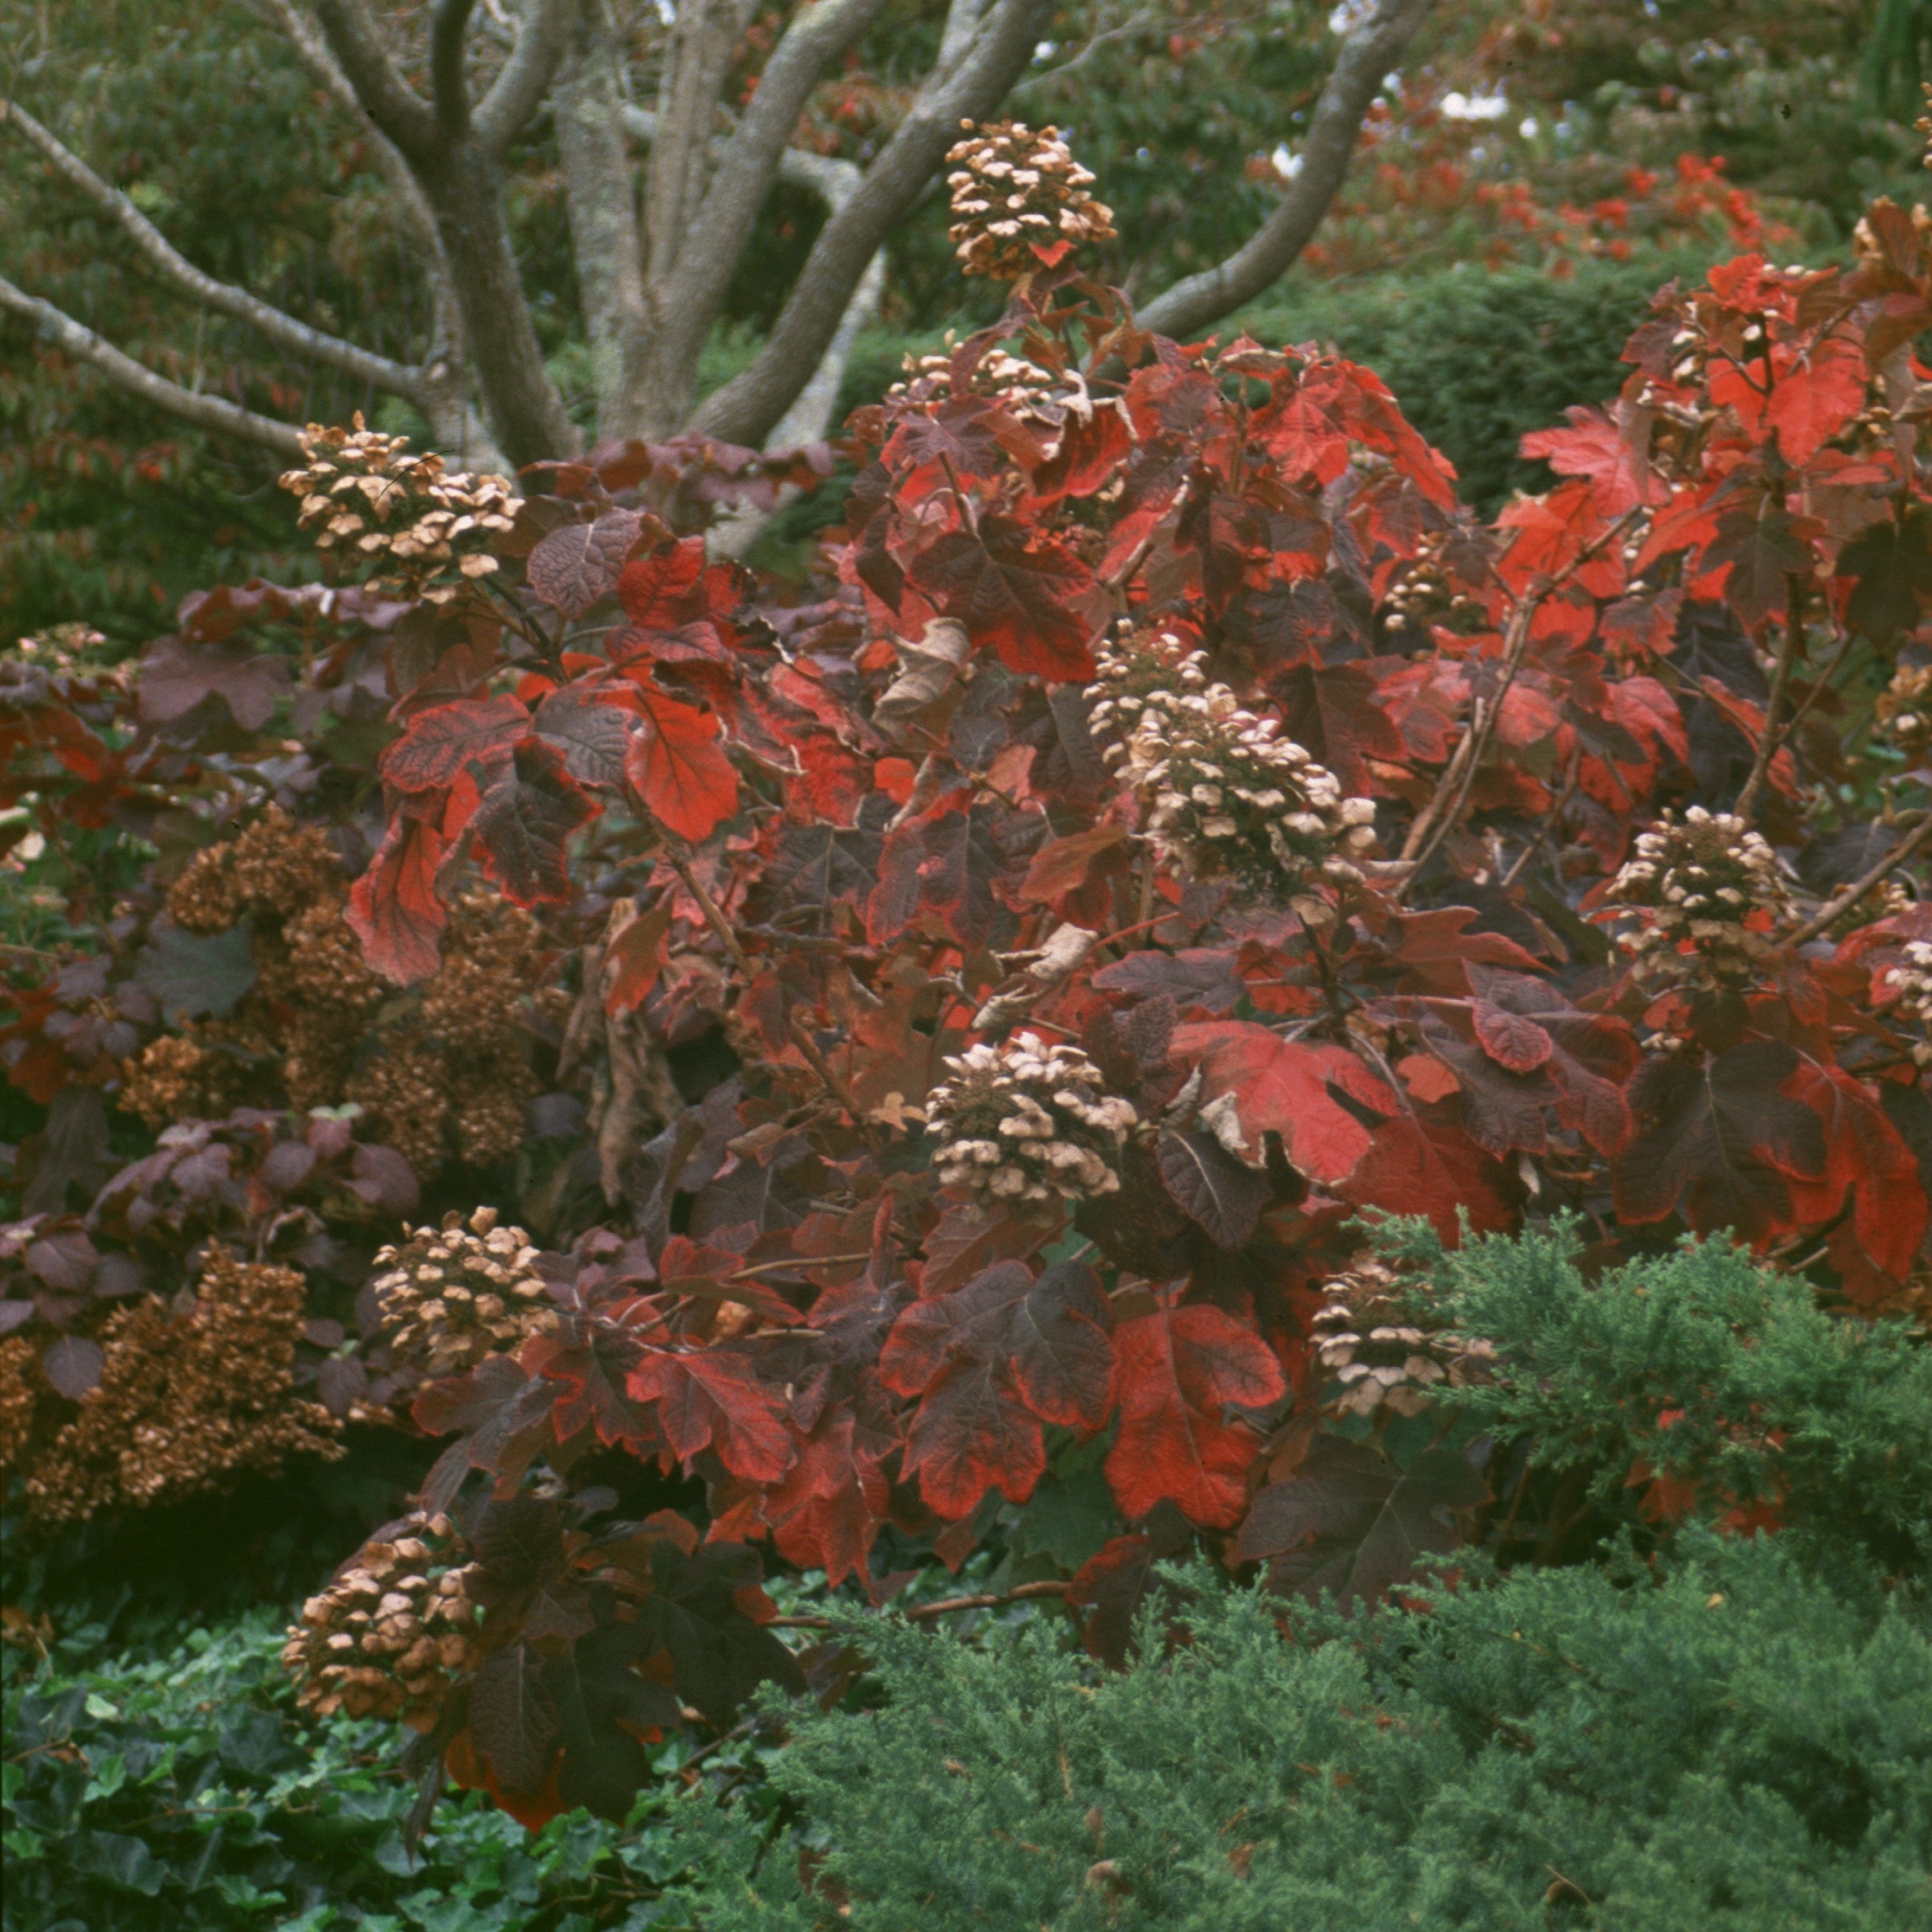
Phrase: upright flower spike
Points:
(1020, 200)
(1225, 796)
(1025, 1121)
(1708, 890)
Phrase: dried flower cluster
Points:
(1019, 200)
(448, 1071)
(1913, 979)
(1423, 594)
(1378, 1355)
(1904, 710)
(22, 1388)
(1022, 386)
(389, 1634)
(455, 1070)
(187, 1399)
(428, 529)
(454, 1294)
(1710, 890)
(1025, 1121)
(1225, 796)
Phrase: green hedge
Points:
(1733, 1748)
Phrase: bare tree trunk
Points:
(603, 215)
(746, 408)
(1368, 54)
(455, 154)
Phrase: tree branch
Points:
(213, 413)
(448, 87)
(389, 100)
(602, 208)
(1842, 902)
(745, 409)
(744, 171)
(280, 328)
(459, 180)
(543, 38)
(1367, 55)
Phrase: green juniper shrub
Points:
(1727, 1744)
(1695, 1729)
(1707, 1368)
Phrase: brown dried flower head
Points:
(1020, 200)
(1225, 796)
(425, 530)
(1708, 890)
(1904, 710)
(1027, 1122)
(273, 869)
(455, 1294)
(187, 1400)
(1912, 979)
(1379, 1358)
(391, 1634)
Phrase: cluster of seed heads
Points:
(1422, 592)
(1020, 386)
(1697, 883)
(1378, 1358)
(427, 530)
(455, 1294)
(1015, 194)
(1913, 979)
(1027, 1122)
(387, 1638)
(1225, 796)
(1904, 710)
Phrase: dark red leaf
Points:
(572, 567)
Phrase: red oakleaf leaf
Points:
(710, 1398)
(1330, 710)
(1021, 595)
(444, 742)
(1812, 401)
(660, 591)
(572, 567)
(176, 676)
(991, 1361)
(1418, 1166)
(1287, 1087)
(1512, 1040)
(1864, 1152)
(393, 907)
(1176, 1371)
(1606, 452)
(826, 1512)
(1720, 1143)
(675, 766)
(523, 825)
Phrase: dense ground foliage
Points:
(921, 1046)
(1721, 1732)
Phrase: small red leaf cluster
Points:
(833, 840)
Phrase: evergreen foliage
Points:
(1728, 1733)
(1731, 1744)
